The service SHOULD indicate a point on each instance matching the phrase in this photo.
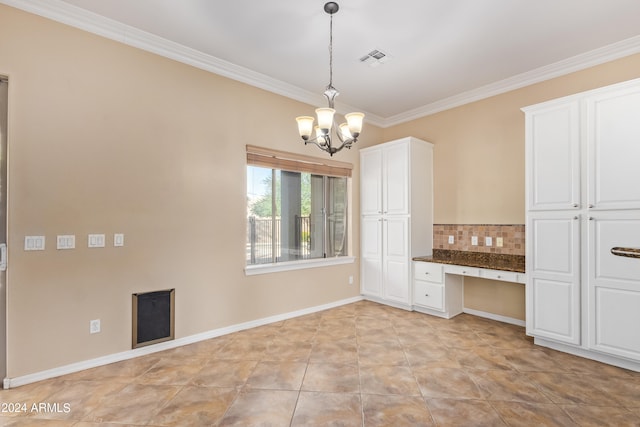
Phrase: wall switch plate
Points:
(474, 240)
(499, 242)
(451, 240)
(351, 280)
(94, 326)
(488, 241)
(118, 239)
(66, 241)
(96, 240)
(34, 243)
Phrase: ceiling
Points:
(442, 53)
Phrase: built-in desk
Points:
(438, 280)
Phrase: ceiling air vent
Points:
(375, 58)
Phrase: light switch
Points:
(66, 241)
(451, 240)
(499, 242)
(96, 240)
(488, 241)
(34, 243)
(118, 239)
(474, 240)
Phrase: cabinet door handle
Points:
(575, 217)
(575, 205)
(426, 295)
(591, 206)
(426, 272)
(626, 252)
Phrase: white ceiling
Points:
(443, 52)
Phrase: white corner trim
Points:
(498, 317)
(167, 345)
(252, 270)
(88, 21)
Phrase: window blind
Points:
(275, 159)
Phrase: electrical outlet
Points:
(451, 240)
(499, 242)
(94, 326)
(488, 241)
(474, 240)
(351, 280)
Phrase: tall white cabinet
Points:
(583, 223)
(396, 207)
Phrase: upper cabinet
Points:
(613, 140)
(553, 156)
(582, 151)
(385, 169)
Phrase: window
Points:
(297, 207)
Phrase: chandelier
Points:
(347, 133)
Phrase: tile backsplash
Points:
(512, 237)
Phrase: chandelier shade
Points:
(347, 133)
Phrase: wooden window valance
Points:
(283, 160)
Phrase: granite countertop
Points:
(476, 259)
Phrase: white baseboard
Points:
(142, 351)
(492, 316)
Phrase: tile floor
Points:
(362, 364)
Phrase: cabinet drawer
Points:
(427, 271)
(507, 276)
(462, 270)
(428, 295)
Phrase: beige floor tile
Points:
(171, 371)
(507, 385)
(343, 351)
(195, 406)
(328, 409)
(331, 377)
(380, 379)
(381, 354)
(593, 416)
(395, 411)
(277, 376)
(134, 404)
(261, 408)
(224, 373)
(294, 351)
(481, 358)
(518, 414)
(567, 389)
(446, 383)
(454, 412)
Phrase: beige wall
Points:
(479, 164)
(105, 138)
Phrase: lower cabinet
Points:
(432, 295)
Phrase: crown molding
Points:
(576, 63)
(88, 21)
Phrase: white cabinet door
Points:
(613, 136)
(396, 179)
(614, 283)
(553, 157)
(371, 182)
(553, 276)
(371, 250)
(396, 259)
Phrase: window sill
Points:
(252, 270)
